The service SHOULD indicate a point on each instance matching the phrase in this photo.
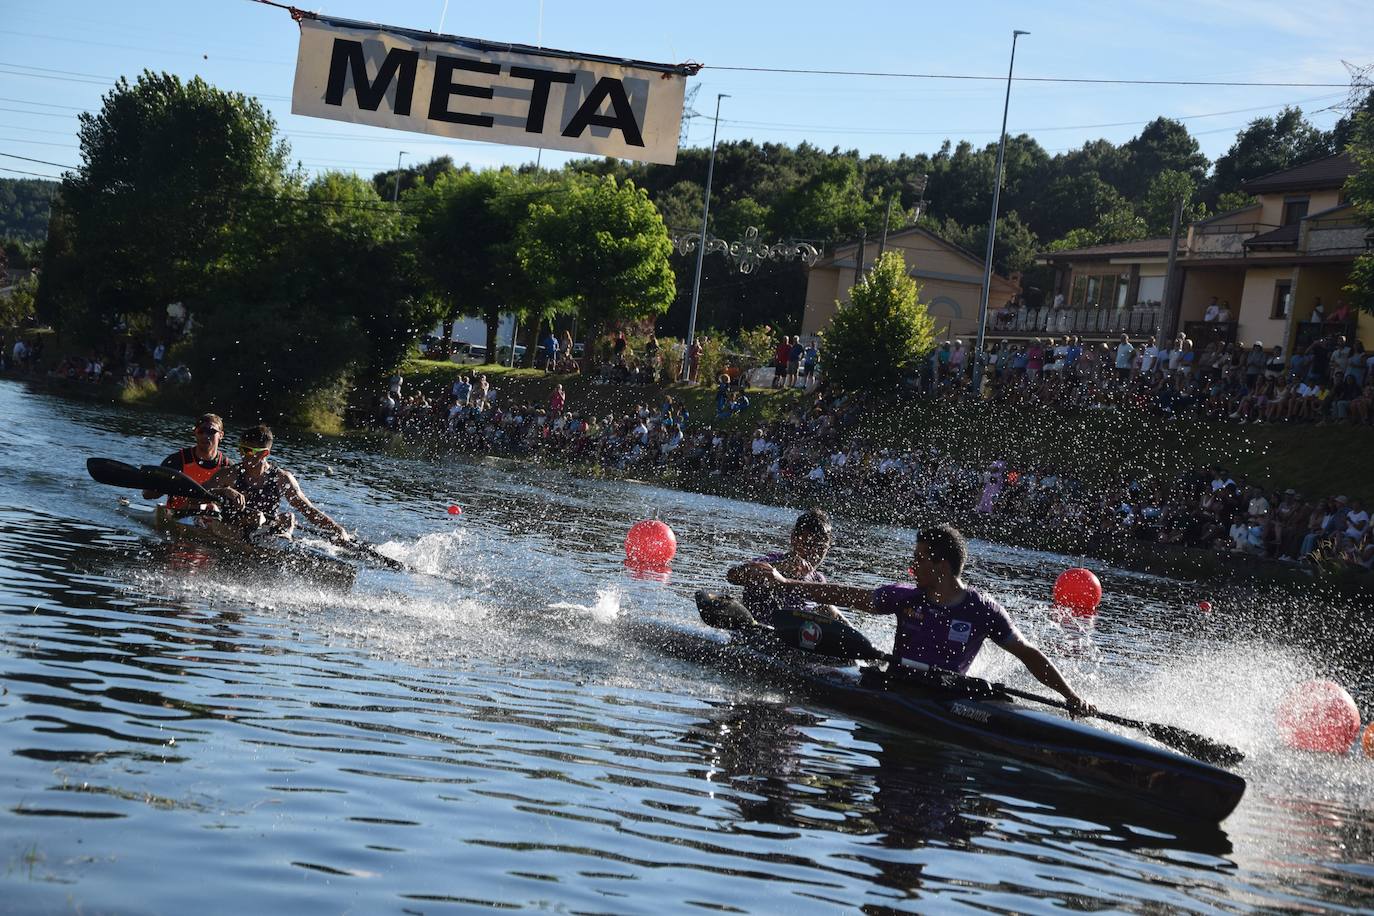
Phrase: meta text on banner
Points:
(473, 90)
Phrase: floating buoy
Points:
(1078, 591)
(650, 542)
(1367, 742)
(455, 510)
(1319, 715)
(1205, 607)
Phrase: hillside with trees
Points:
(25, 206)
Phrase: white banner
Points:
(477, 90)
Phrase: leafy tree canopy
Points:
(882, 334)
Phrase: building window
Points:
(1283, 298)
(1294, 209)
(1106, 291)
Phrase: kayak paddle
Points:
(725, 613)
(148, 477)
(1190, 743)
(370, 551)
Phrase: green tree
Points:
(17, 304)
(1072, 202)
(1164, 145)
(1270, 144)
(883, 333)
(24, 207)
(467, 228)
(167, 168)
(829, 205)
(321, 291)
(1161, 199)
(603, 249)
(1359, 189)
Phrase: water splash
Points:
(605, 610)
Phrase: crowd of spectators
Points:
(129, 359)
(1329, 381)
(817, 451)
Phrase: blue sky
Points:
(58, 57)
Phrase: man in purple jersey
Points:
(941, 622)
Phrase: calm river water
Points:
(493, 735)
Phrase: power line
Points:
(1027, 79)
(39, 161)
(34, 174)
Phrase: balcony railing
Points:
(1079, 321)
(1305, 333)
(1202, 333)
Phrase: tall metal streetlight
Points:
(701, 247)
(992, 224)
(396, 191)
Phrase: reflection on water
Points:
(491, 733)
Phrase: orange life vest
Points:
(192, 468)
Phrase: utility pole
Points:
(1166, 307)
(992, 223)
(396, 191)
(701, 245)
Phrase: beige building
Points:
(951, 282)
(1267, 264)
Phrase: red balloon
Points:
(455, 510)
(1205, 607)
(650, 542)
(1079, 591)
(1318, 716)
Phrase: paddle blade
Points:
(364, 549)
(1195, 745)
(174, 483)
(115, 473)
(725, 613)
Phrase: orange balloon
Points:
(1079, 591)
(1367, 742)
(650, 542)
(1319, 715)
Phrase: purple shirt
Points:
(944, 637)
(764, 602)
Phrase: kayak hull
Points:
(256, 554)
(1143, 773)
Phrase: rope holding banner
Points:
(296, 13)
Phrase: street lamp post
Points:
(701, 247)
(978, 357)
(396, 191)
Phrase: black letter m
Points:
(348, 57)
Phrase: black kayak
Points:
(1144, 772)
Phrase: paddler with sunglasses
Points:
(252, 490)
(200, 462)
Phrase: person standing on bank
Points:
(941, 622)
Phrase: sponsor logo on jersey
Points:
(960, 631)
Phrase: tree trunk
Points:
(446, 332)
(493, 319)
(535, 325)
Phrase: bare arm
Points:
(860, 599)
(296, 498)
(1045, 672)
